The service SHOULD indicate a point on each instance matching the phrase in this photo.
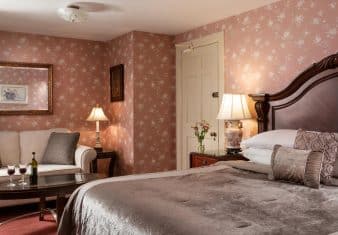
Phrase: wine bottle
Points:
(34, 173)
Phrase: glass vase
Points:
(201, 147)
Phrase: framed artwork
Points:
(26, 88)
(13, 94)
(117, 83)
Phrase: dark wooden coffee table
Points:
(47, 186)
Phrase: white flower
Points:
(270, 23)
(281, 16)
(317, 39)
(300, 59)
(300, 3)
(246, 67)
(256, 54)
(316, 21)
(257, 27)
(282, 67)
(331, 33)
(299, 19)
(286, 35)
(246, 20)
(22, 40)
(300, 42)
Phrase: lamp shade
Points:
(234, 107)
(97, 114)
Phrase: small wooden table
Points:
(208, 158)
(112, 155)
(47, 186)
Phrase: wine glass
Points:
(10, 172)
(22, 170)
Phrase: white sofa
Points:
(17, 147)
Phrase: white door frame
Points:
(207, 40)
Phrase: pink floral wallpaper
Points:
(78, 83)
(143, 126)
(154, 103)
(267, 47)
(120, 134)
(36, 81)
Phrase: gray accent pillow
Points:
(325, 142)
(298, 166)
(61, 148)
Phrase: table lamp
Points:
(97, 115)
(233, 109)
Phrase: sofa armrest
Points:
(84, 155)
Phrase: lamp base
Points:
(98, 146)
(98, 149)
(233, 134)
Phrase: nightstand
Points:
(205, 159)
(105, 155)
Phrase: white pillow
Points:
(261, 156)
(268, 139)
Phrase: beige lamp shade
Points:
(234, 107)
(97, 114)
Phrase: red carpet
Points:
(29, 224)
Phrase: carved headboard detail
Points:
(309, 102)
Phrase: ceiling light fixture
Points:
(73, 14)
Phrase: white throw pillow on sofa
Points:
(268, 139)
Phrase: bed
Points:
(228, 197)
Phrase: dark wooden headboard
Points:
(310, 102)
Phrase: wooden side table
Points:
(205, 159)
(105, 155)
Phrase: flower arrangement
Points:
(200, 130)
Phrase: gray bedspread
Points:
(214, 200)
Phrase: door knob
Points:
(214, 135)
(215, 94)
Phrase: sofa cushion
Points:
(35, 141)
(43, 169)
(61, 148)
(9, 147)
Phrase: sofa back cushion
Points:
(35, 141)
(9, 147)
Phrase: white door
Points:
(200, 84)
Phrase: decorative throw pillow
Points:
(325, 142)
(299, 166)
(61, 148)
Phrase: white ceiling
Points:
(111, 18)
